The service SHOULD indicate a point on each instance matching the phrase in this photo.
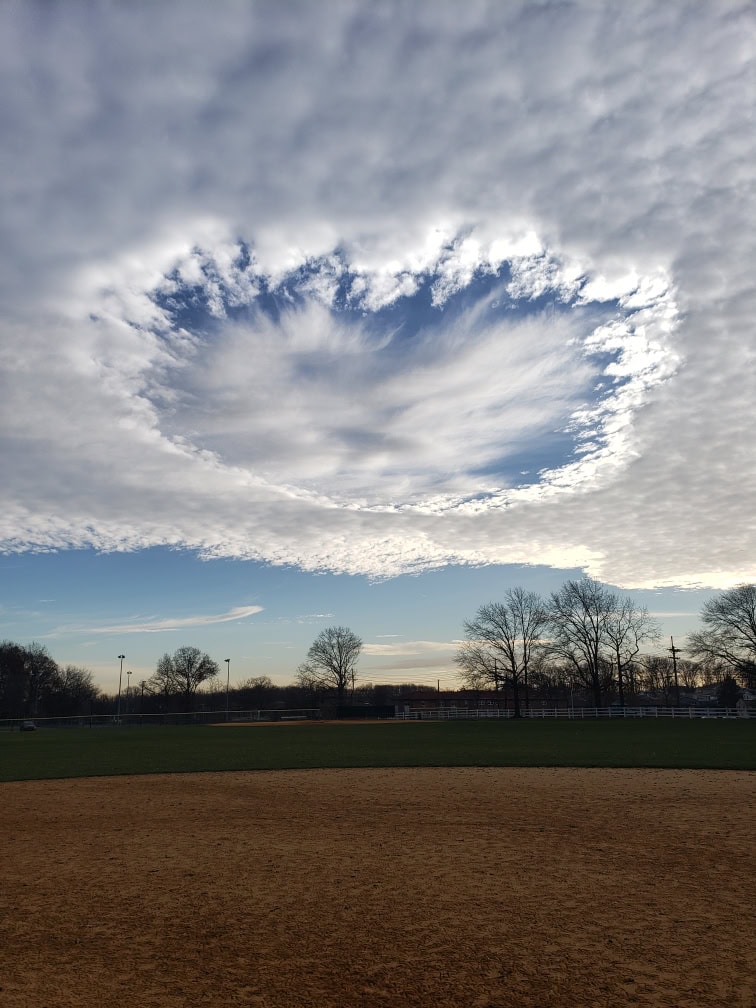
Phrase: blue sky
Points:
(363, 313)
(141, 604)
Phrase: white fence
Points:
(485, 713)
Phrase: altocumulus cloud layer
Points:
(374, 287)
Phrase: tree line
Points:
(582, 637)
(31, 681)
(585, 636)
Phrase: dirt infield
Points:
(472, 888)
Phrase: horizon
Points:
(270, 635)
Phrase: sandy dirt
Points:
(477, 888)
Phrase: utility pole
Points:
(120, 677)
(228, 681)
(674, 651)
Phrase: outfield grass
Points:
(93, 752)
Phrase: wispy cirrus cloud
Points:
(420, 661)
(166, 625)
(408, 648)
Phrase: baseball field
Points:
(480, 865)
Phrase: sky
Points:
(362, 313)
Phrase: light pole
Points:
(128, 691)
(120, 676)
(228, 681)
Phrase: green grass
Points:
(90, 752)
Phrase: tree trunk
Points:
(516, 699)
(596, 688)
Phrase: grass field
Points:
(93, 752)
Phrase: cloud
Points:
(316, 287)
(411, 661)
(155, 625)
(352, 414)
(408, 648)
(671, 615)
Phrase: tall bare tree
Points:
(627, 628)
(331, 661)
(183, 672)
(503, 640)
(579, 615)
(72, 691)
(729, 633)
(689, 673)
(659, 677)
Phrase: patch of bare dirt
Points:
(464, 887)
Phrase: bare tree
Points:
(659, 675)
(627, 627)
(257, 691)
(729, 633)
(71, 691)
(331, 661)
(183, 672)
(689, 673)
(32, 684)
(579, 617)
(632, 674)
(479, 669)
(502, 642)
(711, 671)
